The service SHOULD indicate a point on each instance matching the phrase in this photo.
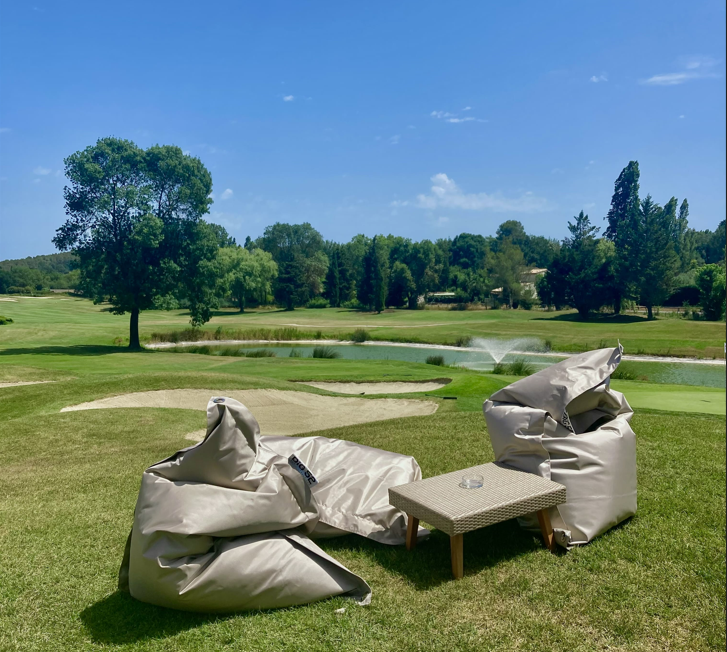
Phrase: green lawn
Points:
(71, 321)
(69, 481)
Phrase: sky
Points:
(421, 119)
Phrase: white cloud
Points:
(672, 79)
(556, 171)
(694, 68)
(441, 221)
(226, 194)
(411, 127)
(36, 180)
(399, 202)
(681, 116)
(41, 171)
(288, 98)
(453, 118)
(5, 130)
(445, 193)
(394, 140)
(599, 78)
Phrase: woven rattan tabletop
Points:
(506, 493)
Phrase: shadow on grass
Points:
(428, 565)
(80, 349)
(120, 619)
(595, 319)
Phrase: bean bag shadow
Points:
(566, 424)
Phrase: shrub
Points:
(317, 302)
(548, 345)
(463, 341)
(201, 335)
(624, 372)
(5, 320)
(520, 367)
(318, 335)
(353, 304)
(517, 367)
(326, 352)
(260, 353)
(437, 360)
(294, 353)
(360, 335)
(459, 306)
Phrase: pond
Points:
(679, 373)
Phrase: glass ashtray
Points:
(472, 481)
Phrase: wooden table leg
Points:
(546, 529)
(457, 545)
(412, 527)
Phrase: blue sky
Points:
(422, 119)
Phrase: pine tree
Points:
(684, 238)
(374, 281)
(659, 261)
(333, 279)
(623, 231)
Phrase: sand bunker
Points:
(278, 412)
(379, 388)
(26, 382)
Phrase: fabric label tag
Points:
(302, 469)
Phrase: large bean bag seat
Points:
(226, 525)
(566, 424)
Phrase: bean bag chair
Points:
(566, 424)
(352, 492)
(226, 525)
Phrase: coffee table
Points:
(506, 493)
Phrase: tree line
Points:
(135, 226)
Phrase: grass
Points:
(69, 481)
(436, 360)
(69, 320)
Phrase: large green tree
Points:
(711, 283)
(658, 260)
(246, 275)
(374, 282)
(506, 269)
(302, 263)
(134, 223)
(623, 230)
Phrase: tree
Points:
(684, 241)
(469, 251)
(583, 289)
(513, 231)
(658, 260)
(374, 282)
(246, 275)
(401, 285)
(298, 251)
(711, 283)
(422, 263)
(507, 267)
(132, 222)
(338, 282)
(623, 230)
